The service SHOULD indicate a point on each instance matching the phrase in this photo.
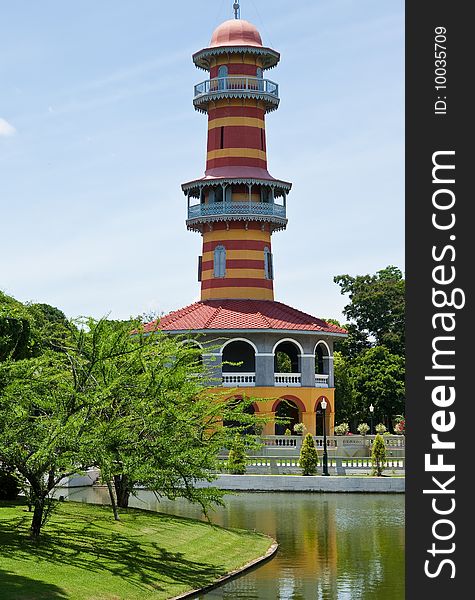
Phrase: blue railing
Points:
(254, 85)
(236, 208)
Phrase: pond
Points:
(331, 546)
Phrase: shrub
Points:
(299, 428)
(380, 428)
(342, 429)
(237, 456)
(287, 432)
(9, 487)
(363, 428)
(378, 455)
(308, 456)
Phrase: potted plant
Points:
(342, 429)
(363, 428)
(380, 428)
(299, 428)
(400, 426)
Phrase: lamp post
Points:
(371, 411)
(323, 404)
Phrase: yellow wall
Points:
(266, 397)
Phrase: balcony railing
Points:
(321, 381)
(252, 85)
(239, 379)
(236, 208)
(287, 379)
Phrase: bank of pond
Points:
(83, 554)
(335, 546)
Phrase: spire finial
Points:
(237, 9)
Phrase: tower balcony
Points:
(236, 87)
(236, 211)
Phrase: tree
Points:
(237, 456)
(15, 329)
(42, 420)
(346, 406)
(308, 456)
(135, 405)
(376, 311)
(157, 423)
(378, 455)
(378, 379)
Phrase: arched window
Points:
(222, 77)
(229, 193)
(218, 193)
(219, 261)
(268, 266)
(265, 193)
(260, 83)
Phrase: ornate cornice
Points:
(270, 57)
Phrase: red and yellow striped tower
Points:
(280, 356)
(237, 205)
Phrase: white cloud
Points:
(6, 129)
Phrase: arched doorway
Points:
(322, 364)
(319, 420)
(286, 409)
(239, 356)
(319, 416)
(286, 357)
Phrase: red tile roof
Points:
(241, 314)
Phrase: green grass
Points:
(83, 554)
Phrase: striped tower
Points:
(279, 356)
(237, 205)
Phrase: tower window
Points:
(260, 83)
(218, 194)
(268, 266)
(220, 261)
(200, 267)
(222, 138)
(262, 140)
(222, 75)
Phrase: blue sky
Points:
(98, 131)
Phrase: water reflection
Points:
(332, 546)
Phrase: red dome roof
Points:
(236, 32)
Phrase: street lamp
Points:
(371, 411)
(323, 404)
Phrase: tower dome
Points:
(236, 32)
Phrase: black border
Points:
(427, 133)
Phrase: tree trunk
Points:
(122, 490)
(113, 502)
(37, 521)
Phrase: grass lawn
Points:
(83, 554)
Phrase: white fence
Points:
(337, 465)
(239, 379)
